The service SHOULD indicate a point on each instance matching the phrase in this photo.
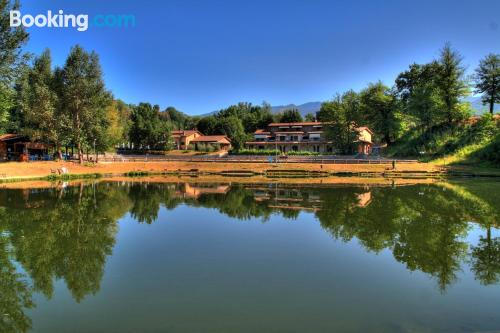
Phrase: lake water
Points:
(204, 257)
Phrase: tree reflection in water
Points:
(67, 232)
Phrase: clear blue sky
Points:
(201, 56)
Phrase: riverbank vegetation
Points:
(422, 114)
(464, 142)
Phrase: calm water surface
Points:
(203, 257)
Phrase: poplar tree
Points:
(84, 98)
(452, 85)
(39, 104)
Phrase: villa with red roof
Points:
(304, 136)
(184, 139)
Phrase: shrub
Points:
(303, 153)
(443, 140)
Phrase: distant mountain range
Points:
(310, 107)
(313, 107)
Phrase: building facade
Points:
(304, 136)
(219, 142)
(17, 147)
(182, 138)
(187, 139)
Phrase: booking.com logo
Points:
(61, 20)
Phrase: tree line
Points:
(69, 105)
(422, 97)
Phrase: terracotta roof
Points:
(310, 123)
(185, 132)
(291, 132)
(212, 138)
(5, 137)
(261, 131)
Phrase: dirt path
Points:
(11, 170)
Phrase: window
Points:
(315, 136)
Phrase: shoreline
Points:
(31, 171)
(41, 169)
(211, 179)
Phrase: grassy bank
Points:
(474, 144)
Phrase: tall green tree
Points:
(84, 97)
(425, 105)
(380, 110)
(11, 59)
(452, 84)
(487, 79)
(418, 95)
(233, 128)
(341, 116)
(39, 103)
(147, 130)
